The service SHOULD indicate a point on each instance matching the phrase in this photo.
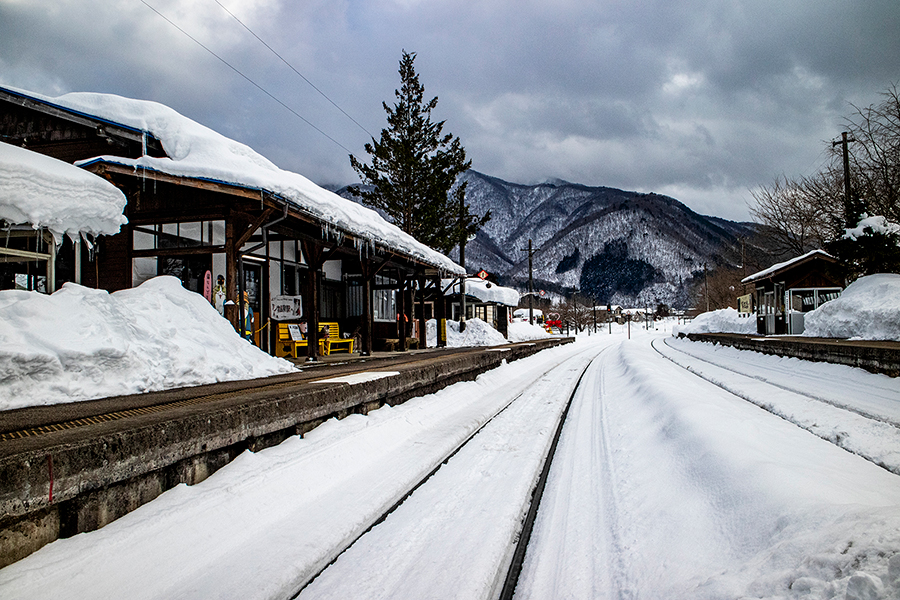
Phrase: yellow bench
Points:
(285, 345)
(330, 340)
(331, 335)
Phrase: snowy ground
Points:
(665, 485)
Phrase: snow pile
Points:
(523, 331)
(726, 320)
(869, 225)
(46, 192)
(197, 151)
(483, 290)
(869, 309)
(477, 333)
(81, 343)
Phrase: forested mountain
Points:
(611, 245)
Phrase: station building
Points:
(200, 205)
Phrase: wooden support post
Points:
(368, 275)
(402, 330)
(422, 320)
(314, 260)
(231, 274)
(440, 316)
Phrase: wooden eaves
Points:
(105, 168)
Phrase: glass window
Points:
(179, 235)
(142, 269)
(144, 240)
(384, 305)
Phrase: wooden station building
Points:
(785, 292)
(268, 242)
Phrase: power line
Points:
(256, 85)
(292, 68)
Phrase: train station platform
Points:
(71, 468)
(875, 356)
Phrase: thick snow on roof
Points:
(46, 192)
(199, 152)
(484, 291)
(781, 265)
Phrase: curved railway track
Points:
(836, 422)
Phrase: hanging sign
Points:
(286, 308)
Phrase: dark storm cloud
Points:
(702, 99)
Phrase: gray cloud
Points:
(702, 99)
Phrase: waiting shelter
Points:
(786, 291)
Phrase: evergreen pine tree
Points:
(415, 168)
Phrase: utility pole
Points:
(530, 251)
(462, 263)
(706, 276)
(850, 215)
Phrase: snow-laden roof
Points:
(484, 291)
(199, 152)
(777, 267)
(45, 192)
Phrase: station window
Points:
(192, 234)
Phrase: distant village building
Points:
(200, 205)
(785, 292)
(485, 300)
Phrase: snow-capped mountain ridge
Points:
(616, 246)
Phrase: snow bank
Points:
(726, 320)
(81, 343)
(477, 333)
(46, 192)
(869, 309)
(523, 331)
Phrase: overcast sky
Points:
(702, 100)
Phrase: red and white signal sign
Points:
(483, 274)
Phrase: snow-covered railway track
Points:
(862, 417)
(520, 440)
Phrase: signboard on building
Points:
(745, 304)
(286, 308)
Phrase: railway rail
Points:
(506, 579)
(846, 418)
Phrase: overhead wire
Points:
(292, 68)
(252, 82)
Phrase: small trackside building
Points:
(786, 291)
